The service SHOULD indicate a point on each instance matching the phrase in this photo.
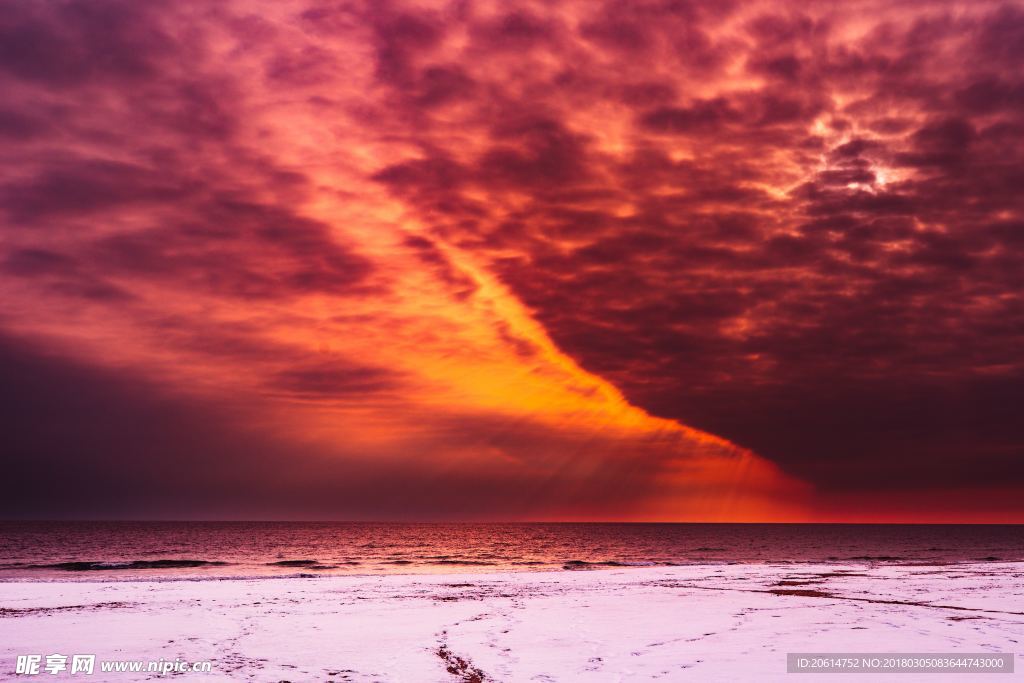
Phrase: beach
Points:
(729, 622)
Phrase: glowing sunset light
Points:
(570, 260)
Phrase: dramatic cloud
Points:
(519, 253)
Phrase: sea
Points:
(47, 551)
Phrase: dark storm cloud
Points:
(81, 186)
(238, 249)
(797, 227)
(61, 273)
(233, 247)
(869, 321)
(193, 205)
(428, 252)
(216, 307)
(334, 379)
(66, 43)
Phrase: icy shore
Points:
(699, 622)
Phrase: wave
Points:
(135, 564)
(581, 564)
(305, 564)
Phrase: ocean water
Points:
(134, 550)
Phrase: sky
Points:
(647, 260)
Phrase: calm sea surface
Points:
(126, 550)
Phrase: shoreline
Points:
(118, 575)
(699, 622)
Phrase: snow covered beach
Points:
(696, 622)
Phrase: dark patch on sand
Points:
(30, 611)
(460, 667)
(801, 592)
(791, 582)
(882, 601)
